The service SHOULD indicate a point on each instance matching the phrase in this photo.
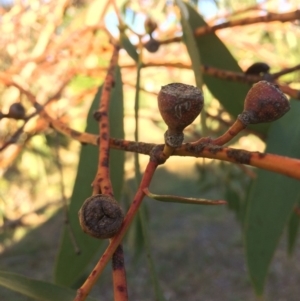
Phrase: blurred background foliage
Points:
(60, 51)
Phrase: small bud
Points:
(152, 45)
(16, 111)
(264, 102)
(179, 105)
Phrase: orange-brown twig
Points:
(102, 183)
(270, 17)
(102, 180)
(286, 71)
(231, 75)
(84, 290)
(275, 163)
(236, 128)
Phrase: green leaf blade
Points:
(190, 43)
(129, 47)
(271, 200)
(69, 265)
(36, 289)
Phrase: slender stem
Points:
(119, 275)
(102, 182)
(236, 128)
(84, 290)
(285, 17)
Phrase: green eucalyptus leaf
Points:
(190, 42)
(36, 289)
(271, 199)
(129, 47)
(69, 265)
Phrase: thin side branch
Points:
(102, 182)
(270, 17)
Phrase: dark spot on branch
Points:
(190, 147)
(104, 136)
(93, 273)
(214, 149)
(118, 259)
(98, 115)
(105, 162)
(75, 133)
(121, 288)
(195, 148)
(240, 156)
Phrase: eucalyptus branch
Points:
(269, 17)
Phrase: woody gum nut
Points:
(100, 216)
(264, 102)
(179, 105)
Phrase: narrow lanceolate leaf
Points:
(271, 199)
(213, 52)
(185, 200)
(190, 42)
(36, 289)
(70, 266)
(128, 46)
